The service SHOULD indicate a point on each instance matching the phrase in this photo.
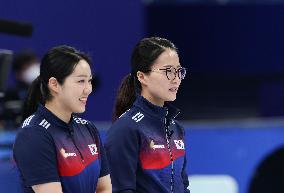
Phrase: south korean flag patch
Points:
(93, 149)
(179, 144)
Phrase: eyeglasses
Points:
(172, 72)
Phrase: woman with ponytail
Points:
(145, 144)
(55, 150)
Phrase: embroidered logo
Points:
(65, 155)
(179, 144)
(80, 120)
(138, 117)
(93, 149)
(153, 146)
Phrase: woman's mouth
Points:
(173, 89)
(83, 100)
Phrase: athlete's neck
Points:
(152, 99)
(58, 111)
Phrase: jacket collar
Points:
(167, 111)
(52, 118)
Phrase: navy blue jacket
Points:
(47, 149)
(146, 151)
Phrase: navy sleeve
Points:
(185, 176)
(122, 147)
(104, 162)
(35, 155)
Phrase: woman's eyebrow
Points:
(168, 66)
(83, 76)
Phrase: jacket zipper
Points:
(171, 154)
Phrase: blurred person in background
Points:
(55, 150)
(145, 144)
(25, 68)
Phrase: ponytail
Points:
(143, 57)
(125, 97)
(34, 96)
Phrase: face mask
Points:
(31, 73)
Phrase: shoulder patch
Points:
(27, 121)
(138, 117)
(44, 124)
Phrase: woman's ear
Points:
(53, 85)
(142, 78)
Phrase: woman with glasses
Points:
(145, 144)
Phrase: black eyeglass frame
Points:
(175, 73)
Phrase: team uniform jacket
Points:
(47, 150)
(146, 150)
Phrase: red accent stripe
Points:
(71, 166)
(158, 158)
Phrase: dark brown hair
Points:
(143, 57)
(59, 62)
